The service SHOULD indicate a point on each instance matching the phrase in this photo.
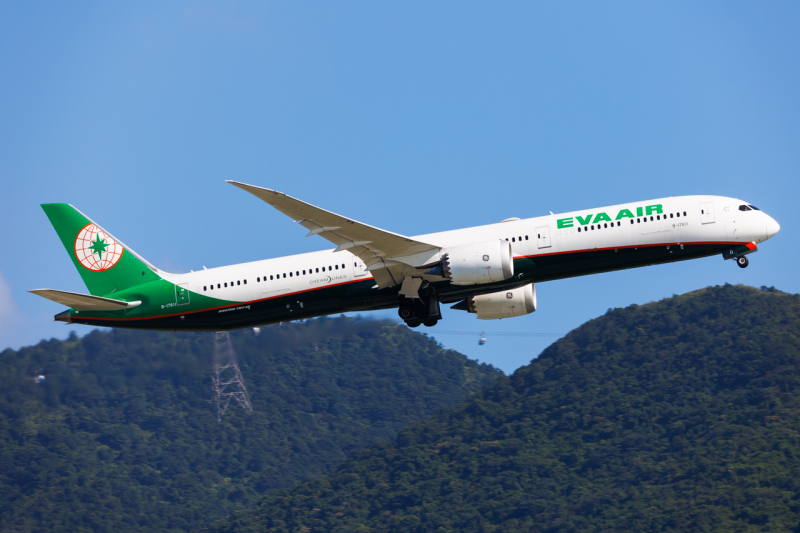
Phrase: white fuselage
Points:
(679, 220)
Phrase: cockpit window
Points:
(754, 208)
(744, 208)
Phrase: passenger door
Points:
(359, 267)
(182, 293)
(543, 237)
(707, 213)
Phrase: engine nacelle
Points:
(475, 263)
(504, 304)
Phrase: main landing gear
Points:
(423, 310)
(742, 261)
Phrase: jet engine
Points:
(504, 304)
(475, 263)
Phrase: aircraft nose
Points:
(772, 227)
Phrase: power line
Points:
(503, 333)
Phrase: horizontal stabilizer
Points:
(84, 302)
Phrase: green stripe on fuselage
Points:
(160, 297)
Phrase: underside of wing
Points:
(382, 251)
(84, 302)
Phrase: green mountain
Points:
(121, 435)
(680, 415)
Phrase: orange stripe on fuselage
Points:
(720, 243)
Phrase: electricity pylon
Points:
(228, 380)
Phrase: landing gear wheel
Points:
(413, 323)
(421, 309)
(430, 323)
(742, 261)
(406, 310)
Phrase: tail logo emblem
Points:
(96, 250)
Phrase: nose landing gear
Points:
(739, 253)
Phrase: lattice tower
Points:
(228, 381)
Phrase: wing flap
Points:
(84, 302)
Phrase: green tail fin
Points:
(104, 263)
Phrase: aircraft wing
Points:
(84, 302)
(372, 244)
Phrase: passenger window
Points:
(520, 239)
(605, 225)
(638, 220)
(670, 215)
(270, 276)
(342, 266)
(218, 285)
(245, 282)
(684, 213)
(592, 227)
(284, 275)
(323, 269)
(258, 279)
(212, 286)
(579, 229)
(620, 223)
(318, 270)
(658, 217)
(330, 268)
(204, 288)
(526, 237)
(631, 221)
(304, 272)
(513, 239)
(337, 267)
(297, 272)
(238, 283)
(226, 283)
(290, 274)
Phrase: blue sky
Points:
(413, 117)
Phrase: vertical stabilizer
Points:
(105, 264)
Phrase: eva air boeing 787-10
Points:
(487, 270)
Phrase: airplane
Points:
(488, 270)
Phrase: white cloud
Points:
(12, 320)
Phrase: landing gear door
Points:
(359, 268)
(543, 237)
(707, 213)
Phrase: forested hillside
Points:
(121, 435)
(680, 415)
